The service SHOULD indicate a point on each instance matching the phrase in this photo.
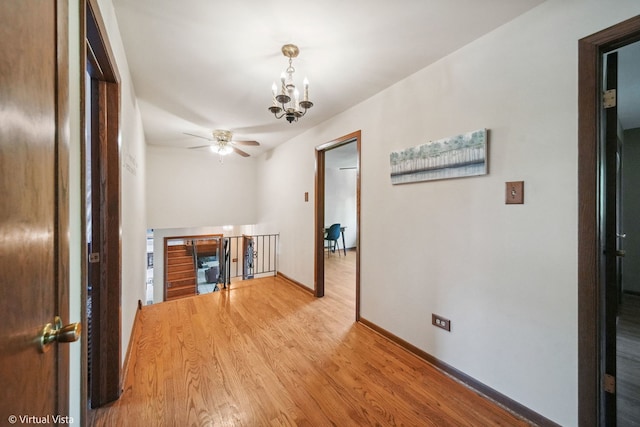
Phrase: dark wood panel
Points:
(180, 260)
(181, 292)
(104, 352)
(179, 248)
(180, 271)
(204, 248)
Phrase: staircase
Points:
(181, 272)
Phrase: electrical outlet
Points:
(441, 322)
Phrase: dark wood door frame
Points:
(63, 269)
(591, 313)
(103, 127)
(319, 214)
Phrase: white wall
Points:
(340, 202)
(505, 275)
(286, 173)
(190, 188)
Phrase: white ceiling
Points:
(199, 65)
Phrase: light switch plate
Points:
(514, 194)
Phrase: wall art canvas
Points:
(454, 157)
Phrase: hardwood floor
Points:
(266, 353)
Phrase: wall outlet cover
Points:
(441, 322)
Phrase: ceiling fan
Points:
(223, 144)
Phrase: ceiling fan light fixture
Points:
(286, 101)
(222, 149)
(222, 144)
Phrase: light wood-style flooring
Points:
(267, 353)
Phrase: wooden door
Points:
(610, 224)
(34, 209)
(102, 212)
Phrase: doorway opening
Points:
(194, 265)
(101, 210)
(627, 324)
(343, 155)
(603, 296)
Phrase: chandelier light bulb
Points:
(274, 91)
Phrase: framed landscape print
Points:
(454, 157)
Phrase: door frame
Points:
(106, 384)
(591, 312)
(318, 285)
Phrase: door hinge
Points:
(94, 257)
(609, 383)
(609, 98)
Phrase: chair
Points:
(333, 234)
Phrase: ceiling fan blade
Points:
(200, 146)
(239, 151)
(197, 136)
(252, 143)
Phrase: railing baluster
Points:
(264, 259)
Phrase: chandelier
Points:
(286, 101)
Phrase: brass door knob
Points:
(55, 332)
(620, 253)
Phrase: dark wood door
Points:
(102, 173)
(33, 210)
(609, 235)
